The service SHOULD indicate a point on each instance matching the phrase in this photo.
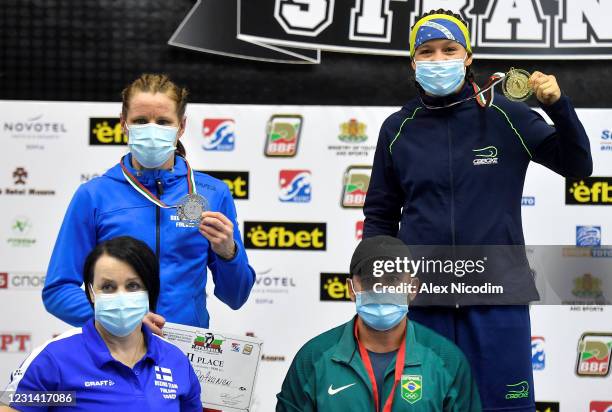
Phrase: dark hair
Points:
(135, 253)
(469, 74)
(157, 83)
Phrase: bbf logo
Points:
(285, 235)
(219, 134)
(355, 185)
(283, 135)
(594, 353)
(15, 342)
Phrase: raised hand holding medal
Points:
(519, 85)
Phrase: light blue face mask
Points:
(381, 311)
(121, 313)
(440, 77)
(151, 144)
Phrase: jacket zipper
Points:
(160, 191)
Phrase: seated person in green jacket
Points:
(379, 360)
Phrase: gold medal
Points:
(516, 85)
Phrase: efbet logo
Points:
(600, 406)
(547, 407)
(283, 135)
(285, 235)
(594, 353)
(353, 131)
(355, 186)
(517, 390)
(4, 281)
(219, 134)
(238, 182)
(588, 191)
(106, 131)
(295, 186)
(333, 287)
(359, 230)
(538, 356)
(485, 156)
(588, 235)
(412, 388)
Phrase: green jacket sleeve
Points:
(298, 391)
(463, 392)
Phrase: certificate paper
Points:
(226, 365)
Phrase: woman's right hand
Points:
(155, 322)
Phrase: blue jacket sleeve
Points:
(564, 148)
(567, 151)
(385, 198)
(62, 294)
(39, 373)
(233, 278)
(192, 401)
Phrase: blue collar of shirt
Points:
(101, 354)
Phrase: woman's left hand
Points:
(545, 87)
(219, 231)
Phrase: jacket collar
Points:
(148, 177)
(100, 353)
(347, 352)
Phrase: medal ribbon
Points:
(399, 369)
(479, 94)
(140, 188)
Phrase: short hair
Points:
(133, 252)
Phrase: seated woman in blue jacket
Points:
(147, 195)
(114, 362)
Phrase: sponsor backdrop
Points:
(299, 175)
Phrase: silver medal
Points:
(190, 209)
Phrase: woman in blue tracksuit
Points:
(137, 197)
(450, 171)
(113, 362)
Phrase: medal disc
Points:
(516, 85)
(190, 209)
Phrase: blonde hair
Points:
(157, 83)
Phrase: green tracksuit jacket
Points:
(327, 374)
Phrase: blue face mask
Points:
(440, 77)
(380, 316)
(121, 313)
(151, 144)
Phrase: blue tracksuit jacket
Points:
(107, 207)
(455, 176)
